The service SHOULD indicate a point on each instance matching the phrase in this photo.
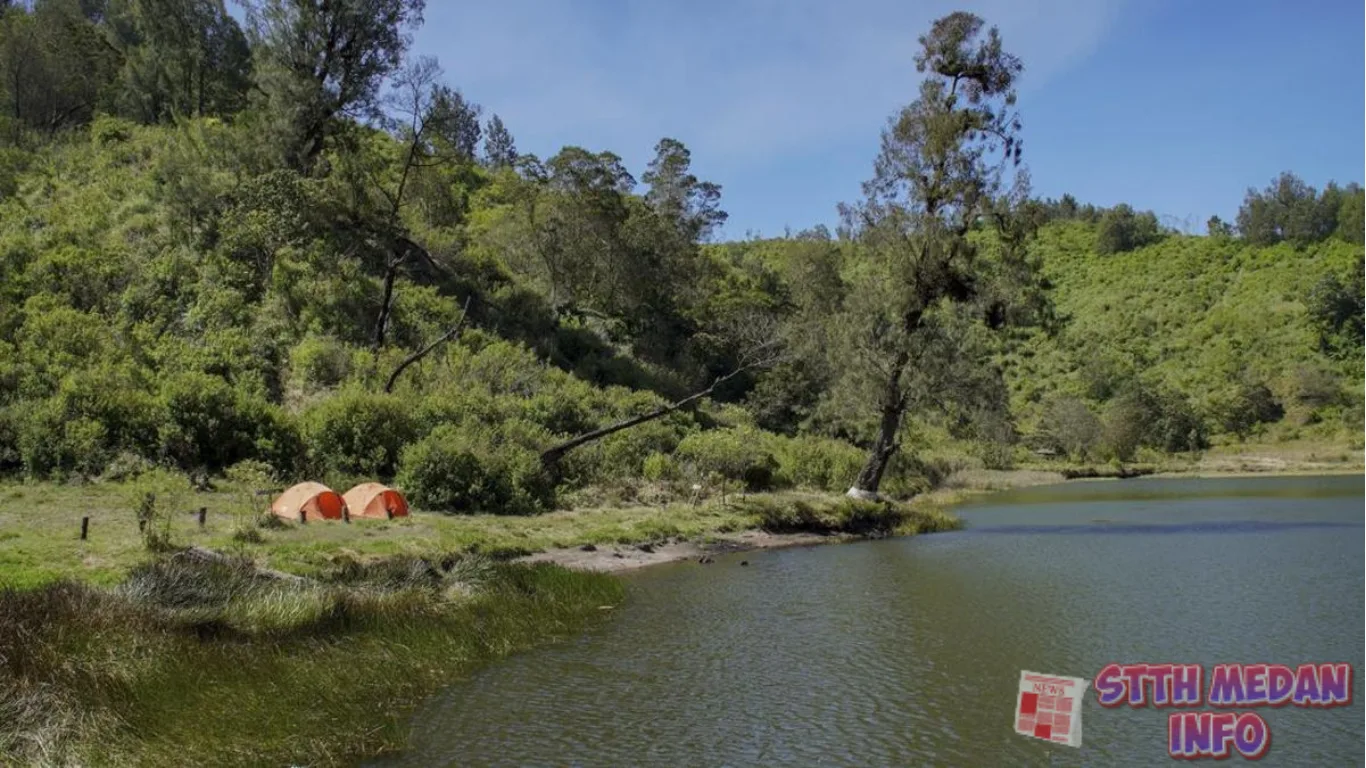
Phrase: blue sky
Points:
(1170, 105)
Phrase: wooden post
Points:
(85, 527)
(303, 515)
(203, 513)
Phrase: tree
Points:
(499, 149)
(324, 59)
(1122, 229)
(1351, 216)
(918, 289)
(693, 206)
(55, 65)
(436, 127)
(180, 57)
(1288, 210)
(1217, 227)
(1336, 312)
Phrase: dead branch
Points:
(421, 353)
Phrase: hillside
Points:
(161, 306)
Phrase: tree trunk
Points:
(385, 307)
(885, 446)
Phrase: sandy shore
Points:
(626, 557)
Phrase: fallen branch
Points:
(421, 353)
(552, 455)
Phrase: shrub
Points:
(211, 425)
(660, 467)
(1249, 405)
(1153, 418)
(474, 468)
(105, 130)
(735, 454)
(320, 361)
(1069, 426)
(51, 444)
(359, 433)
(818, 462)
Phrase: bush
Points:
(320, 361)
(359, 433)
(211, 425)
(818, 462)
(1152, 418)
(1069, 427)
(735, 454)
(105, 130)
(1249, 405)
(474, 468)
(660, 467)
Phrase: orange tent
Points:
(309, 501)
(375, 500)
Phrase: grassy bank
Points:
(40, 523)
(40, 530)
(195, 663)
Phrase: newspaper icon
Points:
(1049, 708)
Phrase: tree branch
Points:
(421, 353)
(552, 455)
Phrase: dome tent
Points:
(377, 501)
(309, 501)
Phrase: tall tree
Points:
(324, 59)
(910, 326)
(675, 193)
(499, 149)
(56, 66)
(180, 57)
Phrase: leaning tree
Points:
(939, 246)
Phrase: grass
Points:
(42, 527)
(189, 663)
(40, 523)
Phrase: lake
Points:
(905, 652)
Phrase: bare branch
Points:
(421, 353)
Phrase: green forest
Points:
(288, 245)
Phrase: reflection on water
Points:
(908, 651)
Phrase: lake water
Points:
(907, 652)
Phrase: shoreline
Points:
(627, 557)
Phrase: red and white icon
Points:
(1049, 708)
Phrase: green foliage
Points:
(738, 454)
(1068, 426)
(1291, 211)
(1121, 230)
(474, 468)
(1335, 311)
(1153, 418)
(660, 467)
(817, 463)
(359, 433)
